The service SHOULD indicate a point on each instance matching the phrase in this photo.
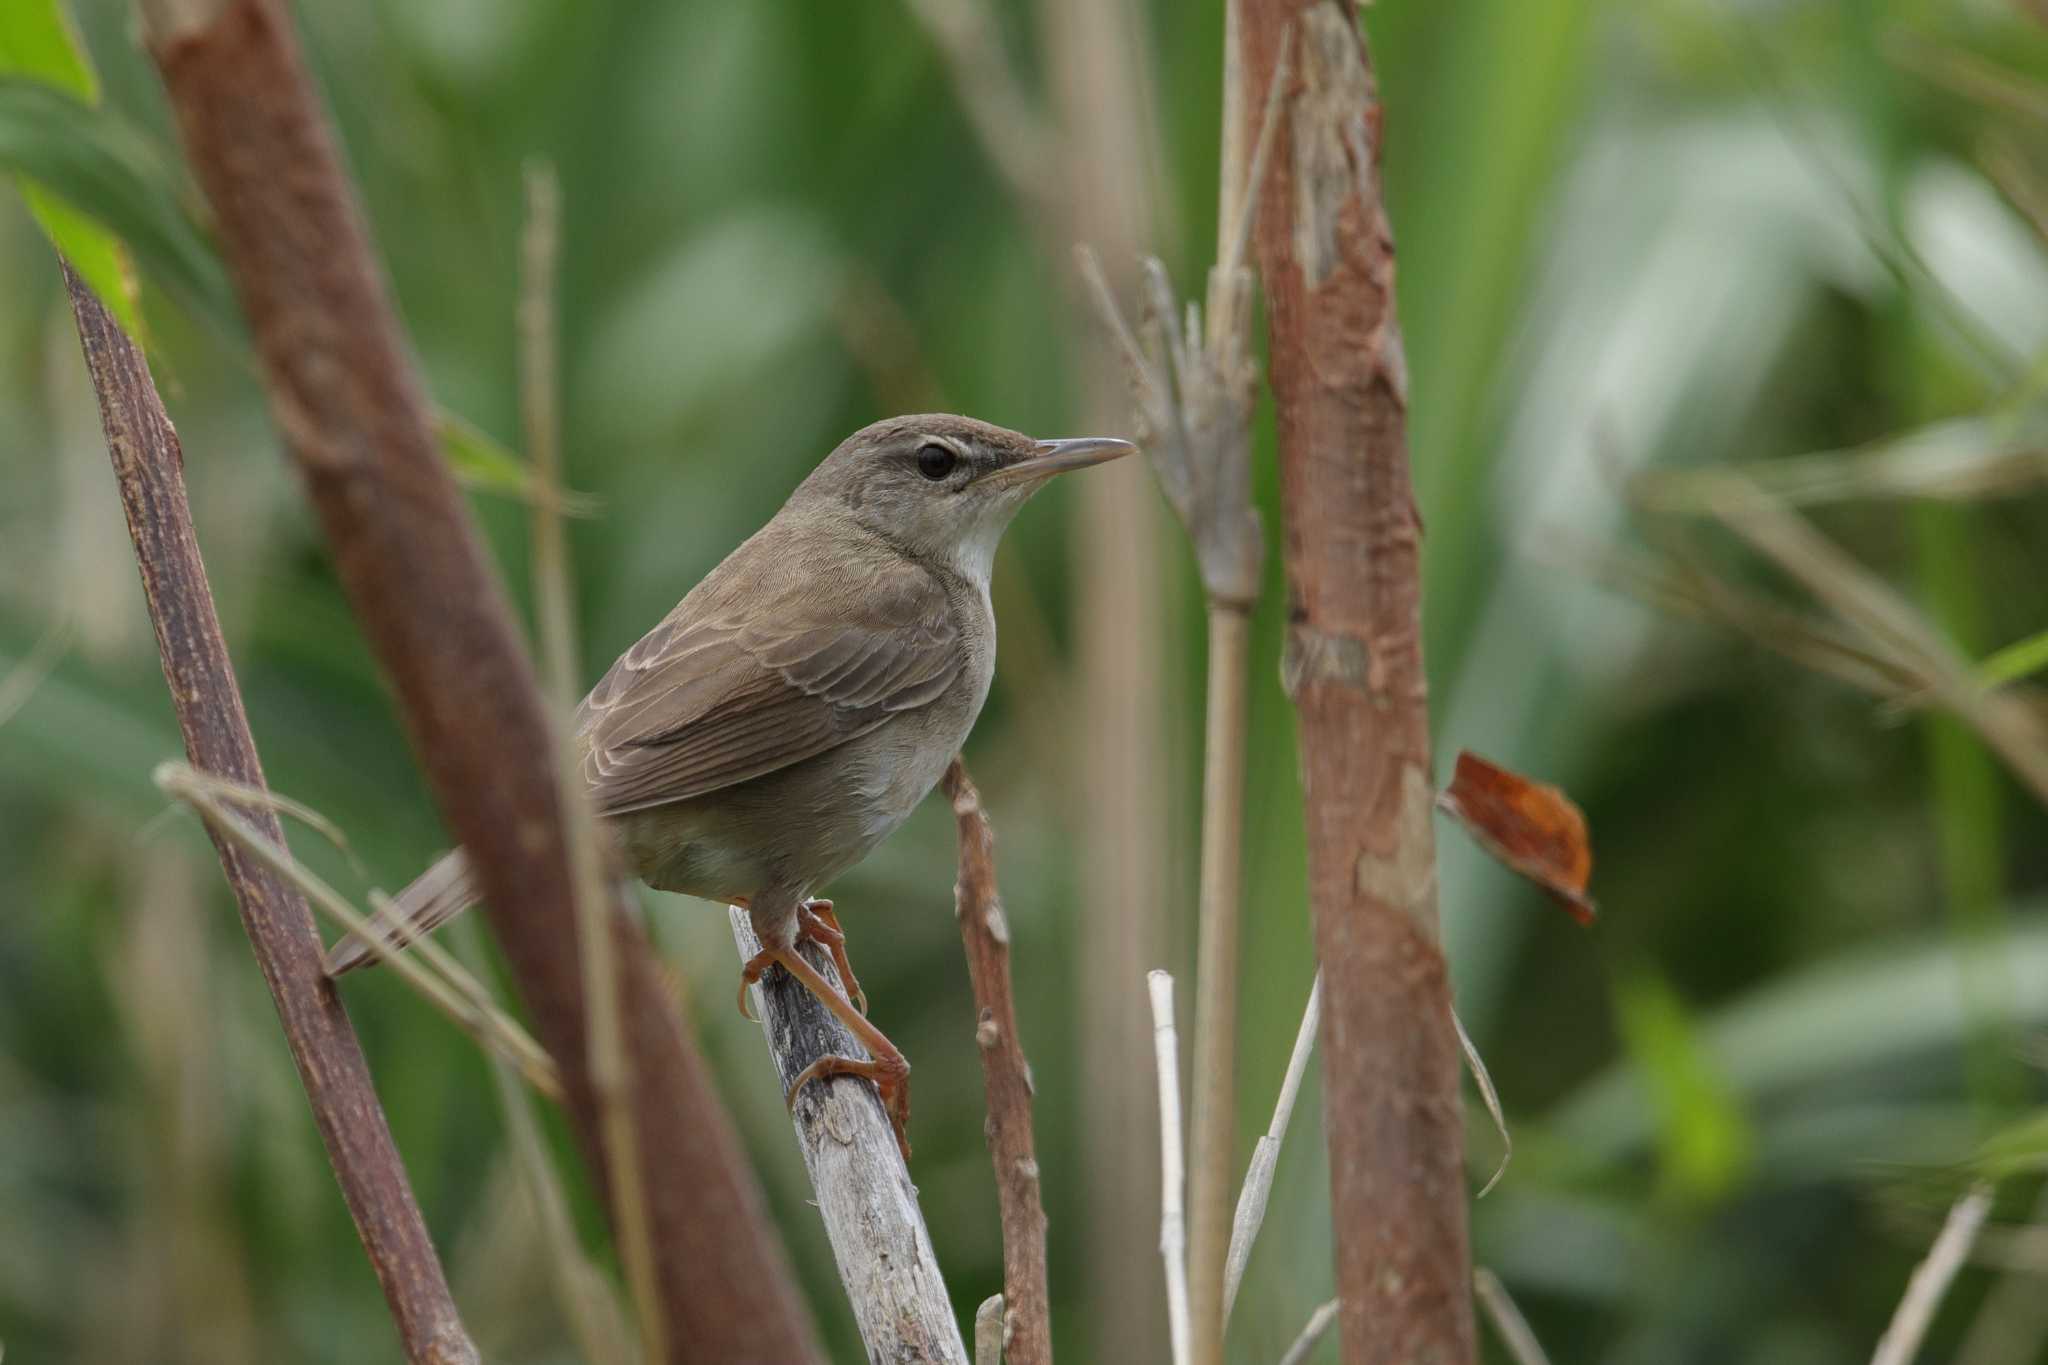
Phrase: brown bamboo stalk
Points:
(149, 470)
(985, 934)
(351, 406)
(1353, 665)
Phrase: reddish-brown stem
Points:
(1354, 668)
(985, 933)
(344, 390)
(149, 469)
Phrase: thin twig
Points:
(2012, 1321)
(149, 472)
(25, 677)
(864, 1193)
(347, 395)
(1213, 1145)
(1193, 393)
(1231, 187)
(611, 1074)
(1173, 1233)
(1004, 118)
(1890, 625)
(1959, 459)
(1224, 320)
(1258, 1181)
(1931, 1279)
(435, 977)
(1100, 156)
(241, 794)
(1507, 1319)
(595, 1322)
(1482, 1078)
(985, 934)
(1311, 1334)
(1683, 588)
(988, 1331)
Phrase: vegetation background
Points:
(1649, 235)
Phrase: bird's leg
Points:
(890, 1070)
(816, 920)
(815, 923)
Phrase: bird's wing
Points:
(704, 701)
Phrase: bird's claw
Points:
(890, 1074)
(749, 974)
(816, 921)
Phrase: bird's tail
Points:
(436, 896)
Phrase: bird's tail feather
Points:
(436, 896)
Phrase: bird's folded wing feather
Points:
(699, 704)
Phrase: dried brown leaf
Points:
(1531, 827)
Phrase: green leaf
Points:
(1704, 1137)
(36, 43)
(86, 171)
(480, 462)
(94, 252)
(2021, 659)
(109, 175)
(1861, 1012)
(2020, 1149)
(36, 40)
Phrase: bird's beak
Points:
(1057, 457)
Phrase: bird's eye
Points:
(935, 462)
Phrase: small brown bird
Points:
(792, 711)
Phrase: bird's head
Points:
(940, 487)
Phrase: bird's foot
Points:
(815, 923)
(816, 920)
(888, 1069)
(890, 1072)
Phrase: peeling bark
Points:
(1353, 665)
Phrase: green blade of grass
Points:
(1705, 1139)
(2021, 659)
(97, 185)
(36, 43)
(484, 464)
(107, 177)
(1863, 1011)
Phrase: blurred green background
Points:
(1634, 236)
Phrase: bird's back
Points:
(809, 711)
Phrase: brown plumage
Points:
(795, 707)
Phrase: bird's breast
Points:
(803, 825)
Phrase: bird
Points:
(795, 707)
